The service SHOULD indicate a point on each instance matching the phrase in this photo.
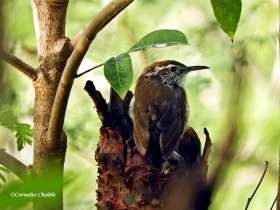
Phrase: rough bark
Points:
(126, 181)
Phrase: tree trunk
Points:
(126, 181)
(53, 51)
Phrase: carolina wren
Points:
(159, 109)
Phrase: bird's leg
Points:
(128, 141)
(165, 168)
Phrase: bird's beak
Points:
(188, 69)
(194, 68)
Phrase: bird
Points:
(159, 110)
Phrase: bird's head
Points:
(169, 72)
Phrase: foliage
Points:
(159, 39)
(227, 13)
(1, 175)
(23, 131)
(118, 72)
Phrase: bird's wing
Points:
(145, 112)
(141, 132)
(172, 123)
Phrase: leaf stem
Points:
(81, 74)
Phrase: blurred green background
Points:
(238, 98)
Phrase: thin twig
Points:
(249, 199)
(99, 21)
(13, 164)
(14, 61)
(273, 203)
(78, 75)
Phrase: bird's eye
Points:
(173, 69)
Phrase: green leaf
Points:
(4, 169)
(10, 121)
(159, 39)
(227, 13)
(3, 178)
(118, 72)
(23, 134)
(1, 175)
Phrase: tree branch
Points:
(99, 21)
(29, 71)
(13, 164)
(77, 37)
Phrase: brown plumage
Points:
(159, 109)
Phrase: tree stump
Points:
(126, 181)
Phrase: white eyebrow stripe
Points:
(164, 67)
(157, 69)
